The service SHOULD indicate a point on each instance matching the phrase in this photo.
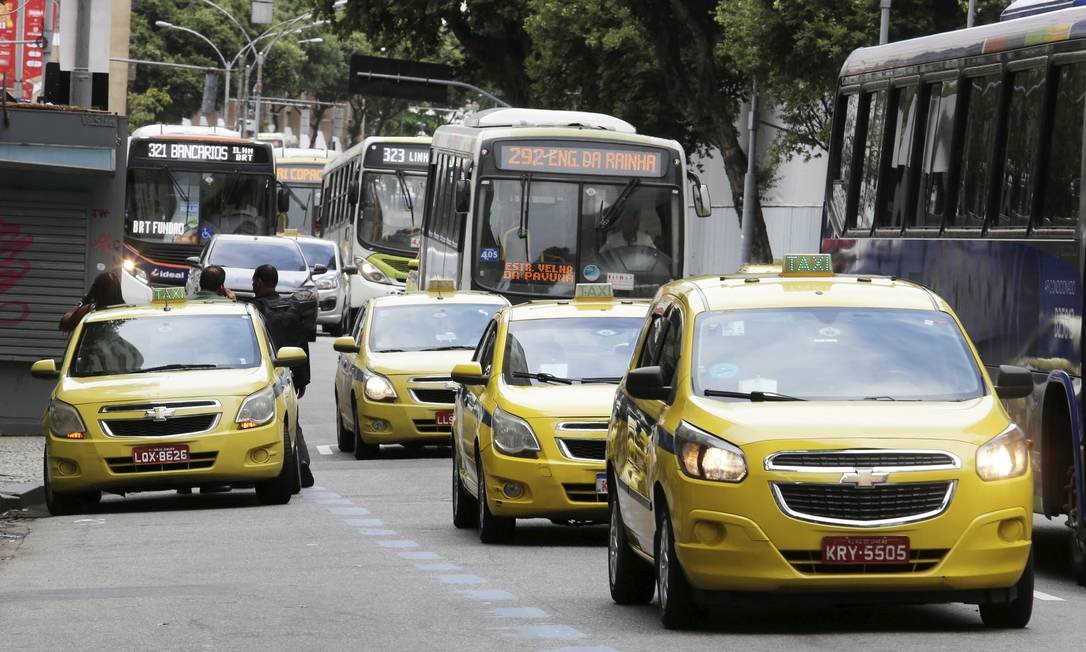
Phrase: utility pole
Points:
(80, 89)
(884, 22)
(750, 183)
(971, 16)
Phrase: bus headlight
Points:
(706, 457)
(1004, 456)
(65, 422)
(257, 409)
(372, 273)
(513, 435)
(377, 387)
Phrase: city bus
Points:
(372, 198)
(528, 203)
(184, 185)
(299, 171)
(956, 161)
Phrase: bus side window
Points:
(1023, 137)
(935, 168)
(901, 159)
(978, 146)
(872, 160)
(1063, 178)
(847, 145)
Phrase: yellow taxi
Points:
(531, 416)
(392, 382)
(809, 436)
(169, 395)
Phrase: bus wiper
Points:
(544, 377)
(615, 209)
(753, 397)
(525, 206)
(602, 379)
(175, 367)
(173, 182)
(406, 195)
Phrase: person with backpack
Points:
(285, 326)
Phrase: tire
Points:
(629, 576)
(677, 609)
(278, 490)
(362, 450)
(296, 476)
(1076, 538)
(464, 507)
(60, 504)
(344, 437)
(492, 529)
(1016, 613)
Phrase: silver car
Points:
(333, 286)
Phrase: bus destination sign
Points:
(582, 159)
(397, 155)
(298, 173)
(200, 152)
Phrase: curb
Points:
(21, 496)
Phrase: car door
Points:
(469, 404)
(348, 371)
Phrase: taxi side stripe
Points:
(664, 439)
(487, 419)
(641, 500)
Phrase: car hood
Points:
(241, 279)
(438, 363)
(558, 401)
(165, 385)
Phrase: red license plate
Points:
(865, 550)
(176, 454)
(444, 418)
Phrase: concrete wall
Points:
(120, 33)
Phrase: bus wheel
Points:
(1077, 536)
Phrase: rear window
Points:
(284, 255)
(132, 346)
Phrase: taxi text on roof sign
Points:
(589, 291)
(439, 285)
(165, 295)
(807, 265)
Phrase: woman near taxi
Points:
(104, 292)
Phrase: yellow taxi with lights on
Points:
(173, 394)
(393, 383)
(805, 436)
(531, 417)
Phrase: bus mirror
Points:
(283, 199)
(352, 193)
(193, 261)
(463, 195)
(702, 205)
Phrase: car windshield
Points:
(284, 255)
(392, 206)
(169, 342)
(835, 354)
(187, 207)
(429, 327)
(318, 252)
(573, 235)
(581, 349)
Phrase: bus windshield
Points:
(392, 207)
(304, 182)
(188, 207)
(570, 232)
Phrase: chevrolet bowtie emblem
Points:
(864, 478)
(159, 413)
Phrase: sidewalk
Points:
(20, 471)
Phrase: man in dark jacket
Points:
(285, 330)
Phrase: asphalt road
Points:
(369, 560)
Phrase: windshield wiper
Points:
(602, 379)
(406, 195)
(525, 207)
(459, 347)
(879, 398)
(543, 377)
(391, 350)
(753, 397)
(615, 209)
(176, 185)
(174, 367)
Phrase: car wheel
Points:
(296, 475)
(629, 576)
(463, 503)
(676, 600)
(277, 491)
(492, 529)
(344, 437)
(362, 450)
(1076, 540)
(1016, 613)
(59, 504)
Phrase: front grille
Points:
(140, 407)
(165, 252)
(584, 449)
(430, 426)
(431, 379)
(837, 503)
(152, 428)
(810, 562)
(583, 426)
(400, 265)
(445, 396)
(584, 493)
(197, 461)
(860, 459)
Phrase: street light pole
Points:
(970, 17)
(884, 22)
(226, 65)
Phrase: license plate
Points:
(444, 418)
(601, 483)
(865, 550)
(175, 454)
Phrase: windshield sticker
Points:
(416, 241)
(591, 272)
(758, 384)
(206, 232)
(440, 314)
(487, 254)
(723, 370)
(447, 336)
(555, 369)
(733, 329)
(829, 331)
(605, 332)
(620, 281)
(538, 273)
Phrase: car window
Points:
(651, 348)
(284, 255)
(484, 354)
(356, 332)
(671, 345)
(319, 252)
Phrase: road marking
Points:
(487, 595)
(397, 543)
(462, 579)
(317, 495)
(440, 566)
(1040, 595)
(519, 612)
(332, 501)
(376, 532)
(364, 522)
(324, 449)
(420, 555)
(349, 511)
(557, 632)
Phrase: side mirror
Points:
(463, 195)
(193, 261)
(345, 344)
(45, 369)
(282, 199)
(1013, 382)
(350, 269)
(352, 193)
(647, 383)
(319, 269)
(702, 203)
(469, 373)
(289, 356)
(413, 263)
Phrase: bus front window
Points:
(392, 206)
(186, 207)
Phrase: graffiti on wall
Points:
(12, 270)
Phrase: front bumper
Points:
(552, 487)
(330, 307)
(402, 422)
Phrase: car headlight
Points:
(65, 422)
(257, 409)
(1004, 456)
(377, 387)
(706, 457)
(304, 295)
(372, 273)
(513, 435)
(329, 283)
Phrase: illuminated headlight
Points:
(65, 422)
(1004, 456)
(130, 267)
(304, 295)
(513, 435)
(372, 273)
(377, 387)
(329, 283)
(706, 457)
(257, 409)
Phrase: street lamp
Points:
(227, 66)
(310, 40)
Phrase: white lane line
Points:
(397, 543)
(439, 566)
(461, 579)
(317, 495)
(420, 555)
(519, 612)
(554, 632)
(332, 501)
(324, 449)
(376, 532)
(364, 522)
(1040, 595)
(349, 511)
(487, 595)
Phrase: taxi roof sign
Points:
(290, 233)
(166, 295)
(440, 285)
(807, 265)
(591, 291)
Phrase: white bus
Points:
(299, 170)
(528, 203)
(372, 198)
